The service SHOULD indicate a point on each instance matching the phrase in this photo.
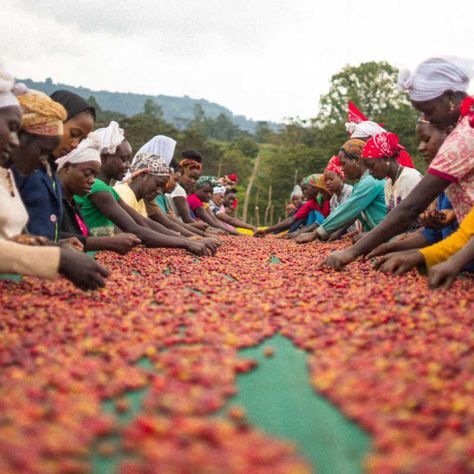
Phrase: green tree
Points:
(152, 109)
(371, 86)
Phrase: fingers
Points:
(102, 271)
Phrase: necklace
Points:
(399, 170)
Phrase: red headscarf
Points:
(334, 165)
(382, 145)
(467, 108)
(354, 114)
(233, 177)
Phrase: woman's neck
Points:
(339, 190)
(66, 193)
(103, 177)
(135, 187)
(393, 171)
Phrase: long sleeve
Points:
(456, 241)
(25, 260)
(363, 194)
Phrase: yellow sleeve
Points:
(25, 260)
(441, 251)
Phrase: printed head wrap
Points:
(148, 163)
(73, 103)
(188, 165)
(383, 145)
(435, 76)
(317, 180)
(334, 165)
(88, 150)
(159, 145)
(41, 115)
(353, 148)
(203, 180)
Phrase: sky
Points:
(265, 59)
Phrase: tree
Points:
(262, 132)
(371, 86)
(93, 102)
(152, 109)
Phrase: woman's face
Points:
(350, 167)
(10, 120)
(309, 192)
(153, 185)
(218, 198)
(430, 140)
(205, 193)
(171, 184)
(117, 165)
(378, 168)
(229, 200)
(188, 180)
(32, 150)
(333, 181)
(297, 200)
(440, 111)
(78, 179)
(75, 130)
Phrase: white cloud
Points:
(266, 59)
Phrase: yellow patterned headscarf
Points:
(41, 115)
(353, 148)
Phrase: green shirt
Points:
(367, 203)
(98, 224)
(162, 201)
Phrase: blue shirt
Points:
(366, 203)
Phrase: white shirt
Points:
(396, 193)
(345, 195)
(178, 192)
(13, 215)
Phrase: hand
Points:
(197, 248)
(73, 243)
(400, 262)
(82, 270)
(437, 219)
(306, 237)
(32, 240)
(200, 225)
(338, 260)
(260, 233)
(382, 249)
(214, 231)
(211, 245)
(358, 236)
(122, 243)
(443, 275)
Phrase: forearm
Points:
(190, 228)
(94, 244)
(157, 227)
(164, 220)
(150, 238)
(280, 227)
(234, 221)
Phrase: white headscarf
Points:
(109, 138)
(435, 76)
(159, 145)
(219, 190)
(296, 191)
(88, 150)
(364, 129)
(8, 89)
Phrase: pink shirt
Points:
(194, 202)
(455, 163)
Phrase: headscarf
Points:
(159, 145)
(353, 148)
(219, 190)
(88, 150)
(354, 114)
(434, 76)
(109, 137)
(73, 103)
(334, 165)
(364, 129)
(317, 180)
(9, 90)
(382, 145)
(41, 115)
(148, 163)
(188, 164)
(296, 191)
(233, 177)
(203, 180)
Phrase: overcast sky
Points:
(266, 59)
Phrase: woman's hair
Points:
(73, 103)
(192, 155)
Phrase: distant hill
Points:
(177, 110)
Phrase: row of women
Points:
(407, 220)
(66, 190)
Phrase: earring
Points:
(451, 105)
